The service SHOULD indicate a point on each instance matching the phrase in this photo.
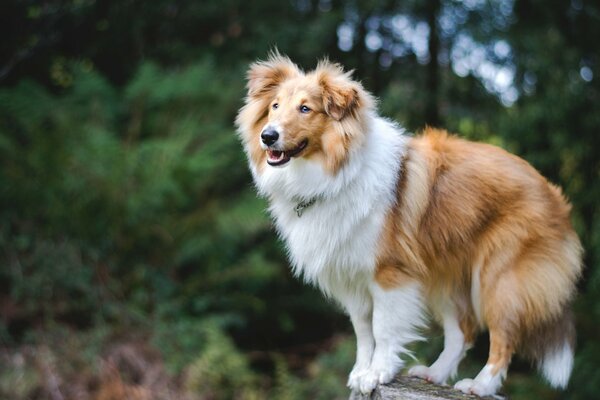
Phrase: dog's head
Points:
(319, 116)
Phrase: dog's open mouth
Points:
(280, 157)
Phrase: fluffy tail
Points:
(557, 365)
(552, 347)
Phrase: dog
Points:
(402, 229)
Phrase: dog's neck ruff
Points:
(331, 224)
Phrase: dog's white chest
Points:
(331, 237)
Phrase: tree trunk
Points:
(407, 388)
(432, 113)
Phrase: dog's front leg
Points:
(360, 310)
(398, 313)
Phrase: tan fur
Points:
(501, 350)
(466, 204)
(327, 91)
(463, 209)
(264, 78)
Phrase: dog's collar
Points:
(303, 205)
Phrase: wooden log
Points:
(409, 388)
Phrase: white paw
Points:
(354, 377)
(428, 373)
(373, 377)
(470, 386)
(464, 385)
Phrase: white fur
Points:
(398, 315)
(454, 351)
(359, 306)
(556, 367)
(334, 243)
(484, 384)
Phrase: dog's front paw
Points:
(373, 377)
(428, 373)
(354, 378)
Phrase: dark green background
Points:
(134, 253)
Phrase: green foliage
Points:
(134, 205)
(18, 382)
(127, 211)
(220, 372)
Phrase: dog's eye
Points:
(275, 106)
(304, 109)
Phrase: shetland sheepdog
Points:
(401, 230)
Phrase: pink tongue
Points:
(276, 155)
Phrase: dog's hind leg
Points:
(490, 378)
(458, 338)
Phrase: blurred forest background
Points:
(136, 261)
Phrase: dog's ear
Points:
(342, 96)
(265, 76)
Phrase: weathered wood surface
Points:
(408, 388)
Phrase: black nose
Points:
(269, 136)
